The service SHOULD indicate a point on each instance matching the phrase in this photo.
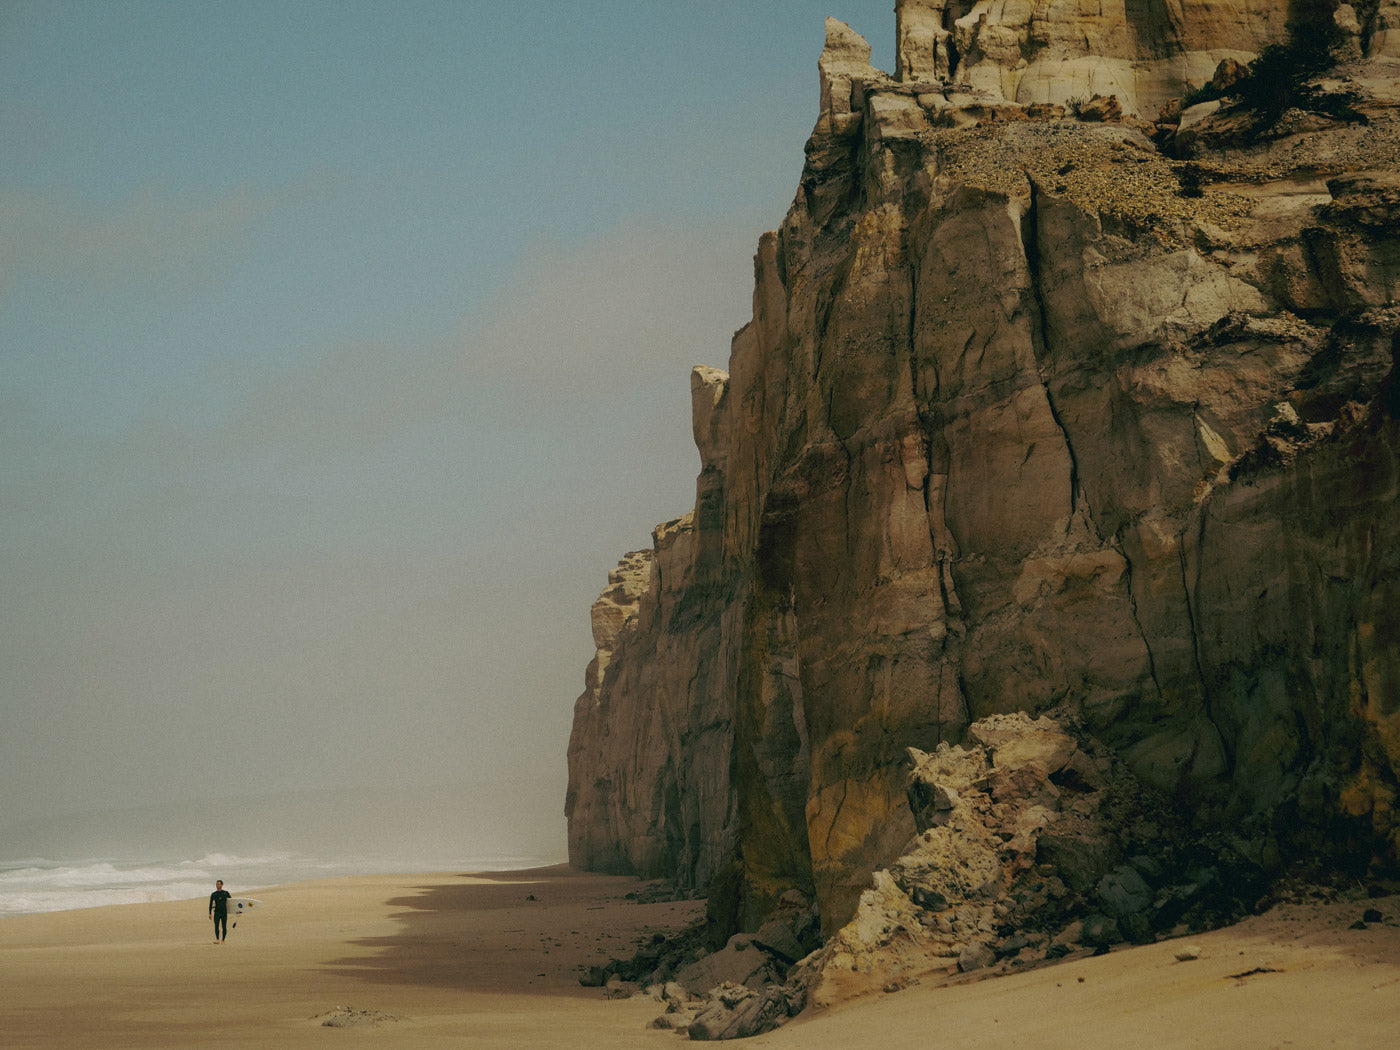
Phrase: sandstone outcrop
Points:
(1142, 54)
(1030, 415)
(1034, 842)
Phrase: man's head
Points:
(218, 884)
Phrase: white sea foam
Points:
(44, 887)
(33, 884)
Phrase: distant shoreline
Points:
(37, 885)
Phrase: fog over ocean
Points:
(346, 348)
(36, 884)
(114, 855)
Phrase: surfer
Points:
(218, 910)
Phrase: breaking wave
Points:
(33, 884)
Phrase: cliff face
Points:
(1029, 414)
(1141, 53)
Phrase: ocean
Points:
(33, 884)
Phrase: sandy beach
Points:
(492, 961)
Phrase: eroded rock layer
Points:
(1029, 415)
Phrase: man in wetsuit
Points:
(218, 910)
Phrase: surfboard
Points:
(239, 907)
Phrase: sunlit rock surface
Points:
(1028, 414)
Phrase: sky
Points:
(344, 348)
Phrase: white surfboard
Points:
(239, 907)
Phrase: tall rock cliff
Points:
(1034, 411)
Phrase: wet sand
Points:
(471, 960)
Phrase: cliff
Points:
(1035, 412)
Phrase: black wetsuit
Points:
(218, 907)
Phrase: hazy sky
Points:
(344, 348)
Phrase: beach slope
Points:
(491, 960)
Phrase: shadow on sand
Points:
(526, 932)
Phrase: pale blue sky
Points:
(343, 350)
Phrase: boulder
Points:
(738, 963)
(1100, 931)
(976, 956)
(1227, 74)
(778, 937)
(1100, 108)
(1081, 858)
(1017, 741)
(1122, 892)
(736, 1012)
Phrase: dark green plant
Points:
(1278, 79)
(1204, 93)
